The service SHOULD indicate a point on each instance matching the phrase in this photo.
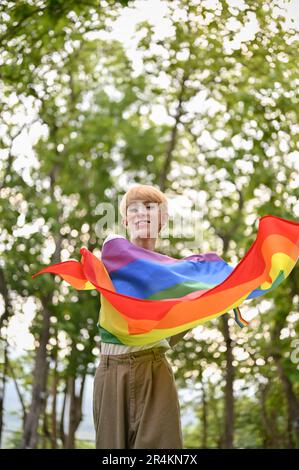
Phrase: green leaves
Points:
(216, 117)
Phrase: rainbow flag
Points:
(147, 296)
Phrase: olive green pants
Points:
(135, 402)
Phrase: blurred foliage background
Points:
(78, 126)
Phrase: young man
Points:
(135, 401)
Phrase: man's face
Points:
(143, 219)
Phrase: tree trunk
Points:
(4, 292)
(70, 439)
(30, 437)
(292, 401)
(3, 386)
(20, 396)
(61, 426)
(269, 428)
(227, 439)
(3, 322)
(75, 411)
(41, 368)
(292, 406)
(54, 406)
(173, 136)
(204, 418)
(46, 437)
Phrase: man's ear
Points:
(164, 218)
(124, 222)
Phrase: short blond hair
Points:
(144, 192)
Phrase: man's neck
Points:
(147, 243)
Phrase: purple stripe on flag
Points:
(119, 252)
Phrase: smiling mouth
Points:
(142, 222)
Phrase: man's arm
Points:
(173, 340)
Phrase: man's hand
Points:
(173, 340)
